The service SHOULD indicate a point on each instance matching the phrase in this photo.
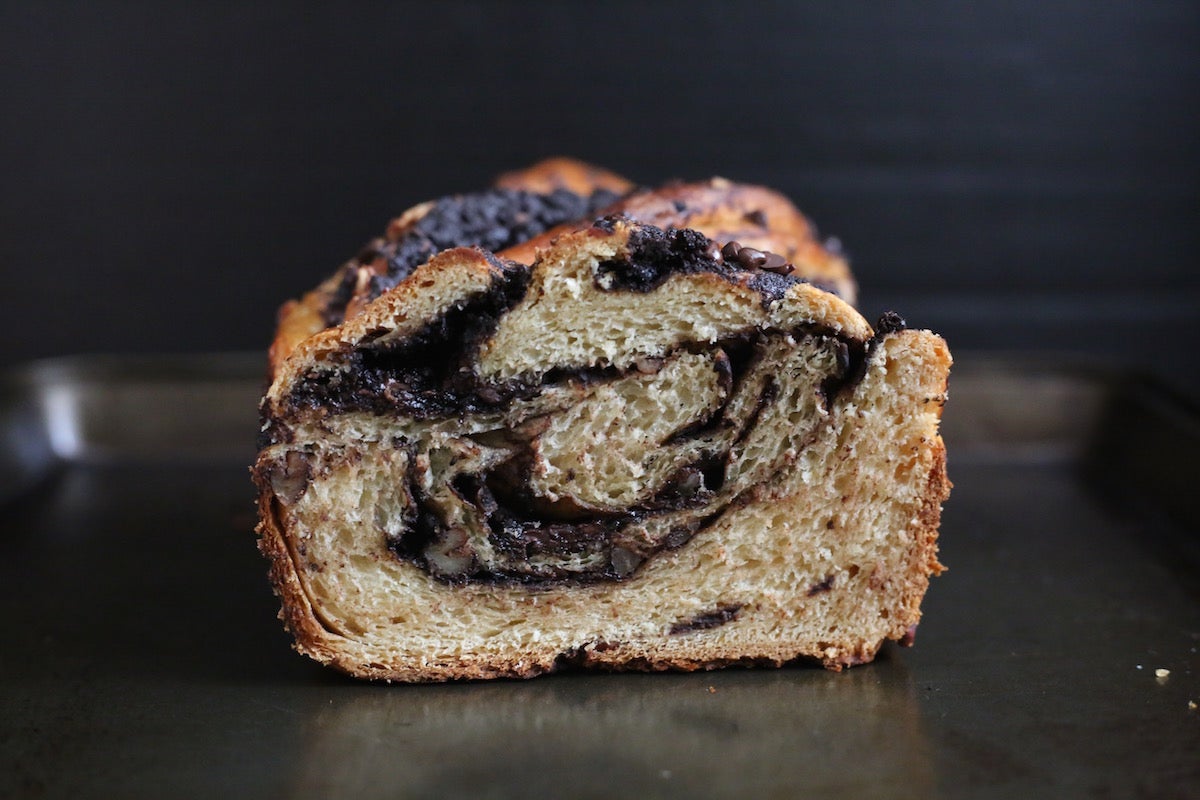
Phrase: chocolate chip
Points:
(488, 394)
(624, 561)
(678, 537)
(713, 251)
(778, 264)
(396, 391)
(751, 257)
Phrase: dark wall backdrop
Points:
(1017, 174)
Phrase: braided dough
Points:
(633, 447)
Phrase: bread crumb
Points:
(712, 690)
(1162, 674)
(1191, 705)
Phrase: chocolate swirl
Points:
(585, 473)
(494, 220)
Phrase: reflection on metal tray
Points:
(110, 409)
(142, 657)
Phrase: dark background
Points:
(1015, 175)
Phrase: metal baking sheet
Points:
(141, 656)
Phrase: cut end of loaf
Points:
(640, 453)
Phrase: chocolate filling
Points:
(709, 619)
(654, 254)
(494, 220)
(544, 543)
(431, 375)
(857, 354)
(540, 542)
(822, 586)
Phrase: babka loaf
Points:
(646, 450)
(530, 208)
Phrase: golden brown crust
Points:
(724, 211)
(564, 173)
(297, 320)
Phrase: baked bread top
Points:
(570, 174)
(528, 209)
(724, 211)
(713, 293)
